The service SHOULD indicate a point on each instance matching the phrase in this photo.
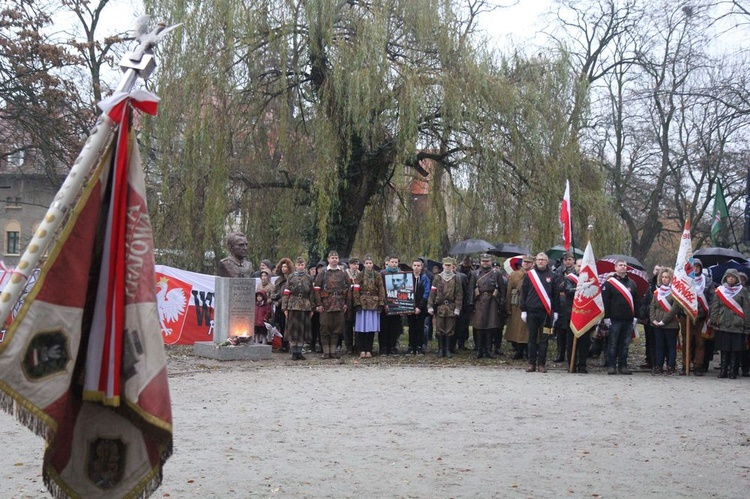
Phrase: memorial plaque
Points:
(234, 313)
(399, 292)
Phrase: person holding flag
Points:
(539, 305)
(684, 292)
(704, 289)
(663, 317)
(587, 310)
(730, 317)
(620, 297)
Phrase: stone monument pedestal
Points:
(211, 350)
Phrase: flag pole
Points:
(589, 229)
(687, 345)
(139, 63)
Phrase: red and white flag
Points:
(683, 281)
(565, 218)
(83, 362)
(588, 305)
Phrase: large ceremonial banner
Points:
(683, 280)
(186, 304)
(399, 292)
(83, 363)
(588, 306)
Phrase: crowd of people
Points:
(337, 308)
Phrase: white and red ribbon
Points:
(540, 291)
(726, 294)
(661, 295)
(624, 291)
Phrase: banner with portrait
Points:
(399, 292)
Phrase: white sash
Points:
(727, 294)
(662, 294)
(624, 291)
(540, 291)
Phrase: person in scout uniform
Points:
(444, 303)
(487, 296)
(369, 299)
(331, 290)
(298, 303)
(516, 332)
(352, 273)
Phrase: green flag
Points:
(720, 212)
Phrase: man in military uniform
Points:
(463, 273)
(331, 292)
(298, 302)
(444, 303)
(516, 332)
(235, 265)
(487, 295)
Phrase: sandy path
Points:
(388, 431)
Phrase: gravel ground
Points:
(426, 427)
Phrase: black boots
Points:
(724, 366)
(734, 365)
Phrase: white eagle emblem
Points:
(171, 304)
(587, 288)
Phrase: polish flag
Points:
(565, 219)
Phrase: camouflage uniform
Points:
(331, 292)
(299, 300)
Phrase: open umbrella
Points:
(470, 246)
(715, 256)
(606, 265)
(556, 252)
(717, 271)
(631, 261)
(508, 250)
(430, 264)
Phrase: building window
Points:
(13, 238)
(13, 203)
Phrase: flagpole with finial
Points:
(589, 229)
(137, 64)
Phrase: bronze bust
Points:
(235, 265)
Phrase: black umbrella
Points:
(430, 264)
(717, 271)
(471, 246)
(508, 250)
(632, 262)
(715, 256)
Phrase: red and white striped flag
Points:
(83, 362)
(565, 218)
(683, 281)
(588, 305)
